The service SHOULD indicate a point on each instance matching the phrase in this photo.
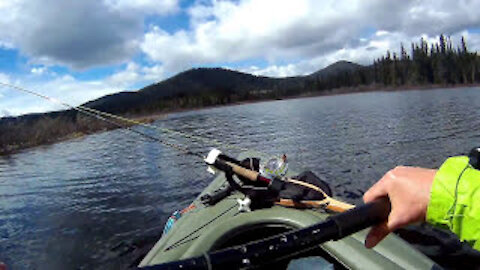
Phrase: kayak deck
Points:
(208, 228)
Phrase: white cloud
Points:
(125, 77)
(65, 88)
(38, 70)
(6, 45)
(230, 32)
(4, 113)
(70, 90)
(364, 54)
(472, 39)
(134, 74)
(275, 70)
(4, 78)
(291, 31)
(77, 34)
(433, 17)
(154, 73)
(145, 6)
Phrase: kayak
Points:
(202, 228)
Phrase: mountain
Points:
(213, 82)
(204, 82)
(336, 69)
(191, 82)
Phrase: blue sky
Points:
(80, 50)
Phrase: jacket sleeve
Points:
(455, 200)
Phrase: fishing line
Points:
(103, 116)
(98, 115)
(107, 117)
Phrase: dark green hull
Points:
(214, 227)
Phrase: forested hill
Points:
(197, 88)
(212, 86)
(439, 63)
(336, 69)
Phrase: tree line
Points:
(436, 63)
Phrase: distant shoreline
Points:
(333, 92)
(148, 118)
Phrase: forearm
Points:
(455, 200)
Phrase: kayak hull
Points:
(207, 228)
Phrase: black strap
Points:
(474, 158)
(218, 195)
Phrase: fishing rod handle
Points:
(362, 217)
(229, 164)
(234, 164)
(239, 170)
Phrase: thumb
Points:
(376, 234)
(397, 218)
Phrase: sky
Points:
(77, 51)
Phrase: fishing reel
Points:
(275, 167)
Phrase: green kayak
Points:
(203, 228)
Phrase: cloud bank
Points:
(77, 34)
(145, 41)
(307, 32)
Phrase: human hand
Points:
(408, 189)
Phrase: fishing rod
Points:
(107, 117)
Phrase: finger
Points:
(376, 234)
(397, 218)
(378, 190)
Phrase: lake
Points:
(101, 201)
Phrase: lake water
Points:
(101, 201)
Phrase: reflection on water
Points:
(100, 201)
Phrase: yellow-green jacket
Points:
(455, 200)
